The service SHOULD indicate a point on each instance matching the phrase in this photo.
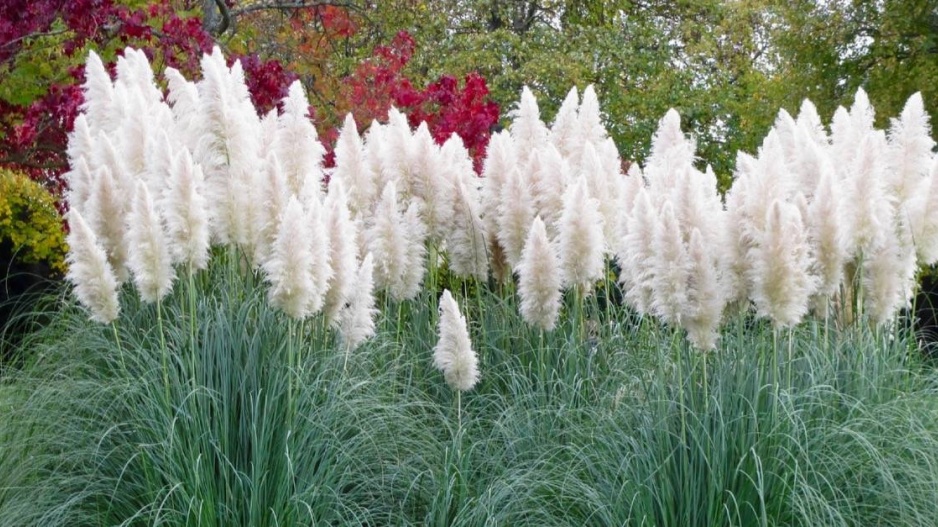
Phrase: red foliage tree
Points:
(379, 83)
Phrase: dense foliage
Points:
(30, 226)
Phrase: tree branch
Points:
(286, 6)
(225, 16)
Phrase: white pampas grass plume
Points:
(78, 177)
(810, 122)
(106, 154)
(149, 259)
(925, 223)
(539, 280)
(589, 119)
(550, 184)
(671, 268)
(79, 180)
(106, 211)
(288, 268)
(871, 212)
(827, 232)
(527, 129)
(500, 161)
(89, 271)
(297, 144)
(465, 242)
(320, 247)
(344, 248)
(706, 295)
(425, 182)
(184, 208)
(636, 253)
(98, 95)
(352, 168)
(889, 275)
(581, 237)
(781, 281)
(565, 131)
(910, 151)
(416, 266)
(671, 151)
(386, 239)
(515, 214)
(274, 197)
(453, 354)
(356, 322)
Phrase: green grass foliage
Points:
(218, 411)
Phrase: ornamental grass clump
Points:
(290, 376)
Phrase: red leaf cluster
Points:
(467, 111)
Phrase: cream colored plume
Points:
(581, 238)
(453, 354)
(148, 256)
(89, 271)
(539, 279)
(184, 208)
(356, 322)
(288, 268)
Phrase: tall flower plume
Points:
(581, 237)
(356, 321)
(539, 280)
(288, 268)
(149, 258)
(184, 207)
(453, 354)
(89, 271)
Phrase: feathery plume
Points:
(344, 248)
(706, 296)
(320, 247)
(416, 253)
(781, 279)
(453, 354)
(889, 275)
(149, 259)
(515, 214)
(297, 144)
(925, 223)
(581, 237)
(589, 119)
(527, 130)
(909, 152)
(810, 122)
(465, 240)
(107, 210)
(386, 238)
(671, 268)
(356, 322)
(89, 272)
(98, 93)
(274, 196)
(564, 132)
(288, 268)
(671, 150)
(550, 184)
(636, 253)
(351, 167)
(539, 280)
(184, 207)
(826, 231)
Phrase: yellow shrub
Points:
(30, 225)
